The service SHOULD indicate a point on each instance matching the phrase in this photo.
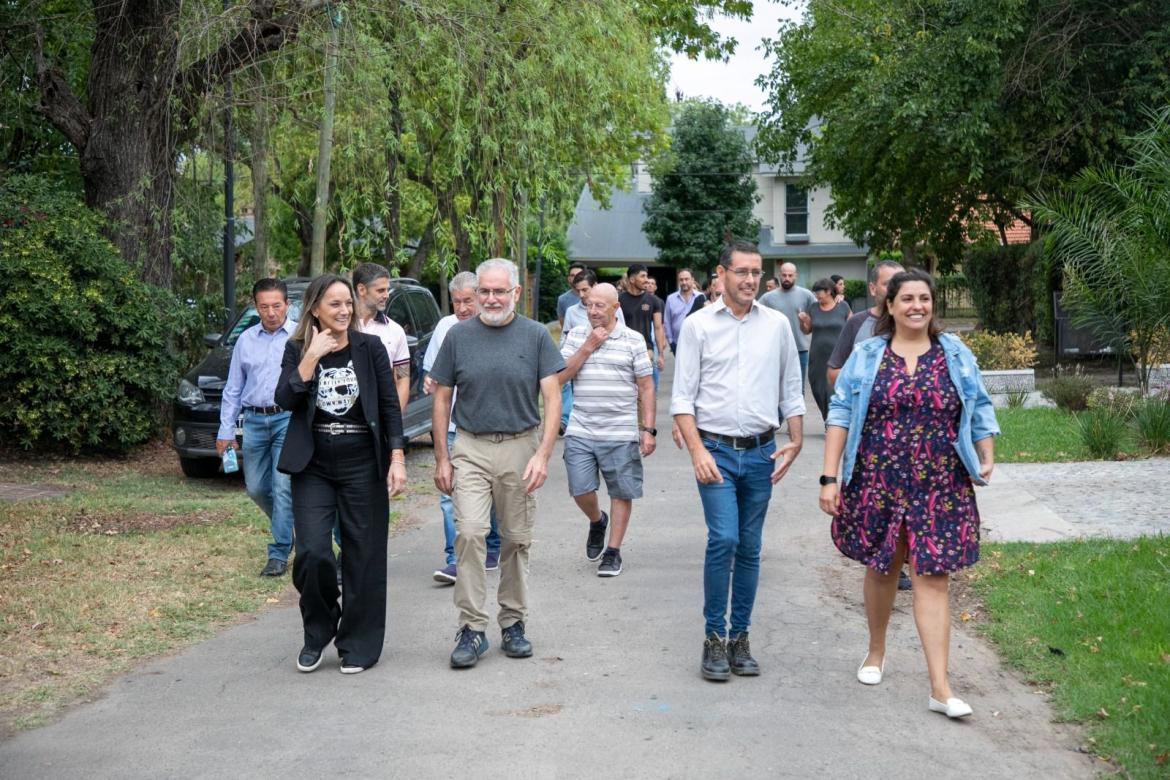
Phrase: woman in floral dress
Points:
(913, 427)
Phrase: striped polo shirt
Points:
(605, 390)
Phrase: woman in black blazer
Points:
(344, 451)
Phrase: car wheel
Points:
(199, 468)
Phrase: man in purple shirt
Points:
(251, 385)
(678, 306)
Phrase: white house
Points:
(792, 228)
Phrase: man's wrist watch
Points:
(652, 431)
(827, 480)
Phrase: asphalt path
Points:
(613, 689)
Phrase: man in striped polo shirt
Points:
(612, 380)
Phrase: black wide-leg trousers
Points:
(341, 485)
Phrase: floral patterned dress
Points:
(908, 475)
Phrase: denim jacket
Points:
(850, 400)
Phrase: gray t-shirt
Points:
(856, 330)
(497, 372)
(788, 303)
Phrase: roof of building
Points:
(610, 234)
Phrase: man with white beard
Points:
(498, 362)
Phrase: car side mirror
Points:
(212, 339)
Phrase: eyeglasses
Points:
(486, 292)
(744, 273)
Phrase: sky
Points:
(734, 81)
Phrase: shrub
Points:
(1153, 424)
(856, 288)
(1121, 403)
(1001, 282)
(1069, 391)
(1001, 351)
(88, 355)
(1017, 397)
(1101, 432)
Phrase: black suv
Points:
(196, 405)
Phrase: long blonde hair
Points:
(313, 296)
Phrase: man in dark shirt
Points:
(500, 362)
(860, 325)
(643, 311)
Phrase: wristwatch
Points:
(827, 480)
(652, 431)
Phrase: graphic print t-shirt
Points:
(337, 389)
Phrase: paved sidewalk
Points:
(613, 689)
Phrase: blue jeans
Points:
(803, 371)
(271, 490)
(566, 402)
(447, 507)
(734, 510)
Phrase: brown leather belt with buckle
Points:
(337, 429)
(741, 442)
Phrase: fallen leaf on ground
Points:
(1102, 713)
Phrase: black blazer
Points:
(376, 391)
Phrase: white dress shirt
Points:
(735, 375)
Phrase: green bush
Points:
(1001, 282)
(1069, 391)
(1153, 424)
(1101, 432)
(88, 354)
(856, 288)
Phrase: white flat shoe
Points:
(953, 708)
(870, 675)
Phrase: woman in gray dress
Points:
(825, 320)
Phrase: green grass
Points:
(1044, 435)
(1089, 622)
(135, 562)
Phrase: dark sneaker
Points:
(611, 563)
(309, 659)
(595, 542)
(274, 568)
(715, 665)
(492, 562)
(739, 656)
(469, 646)
(515, 645)
(904, 582)
(445, 575)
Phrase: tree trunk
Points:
(393, 217)
(449, 211)
(128, 156)
(499, 247)
(260, 189)
(324, 155)
(425, 244)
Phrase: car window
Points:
(397, 310)
(426, 314)
(248, 317)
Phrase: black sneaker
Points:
(611, 563)
(739, 655)
(595, 542)
(274, 568)
(309, 659)
(469, 646)
(515, 645)
(715, 665)
(904, 582)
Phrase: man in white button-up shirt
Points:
(735, 373)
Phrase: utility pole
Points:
(229, 218)
(325, 145)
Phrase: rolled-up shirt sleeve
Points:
(687, 365)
